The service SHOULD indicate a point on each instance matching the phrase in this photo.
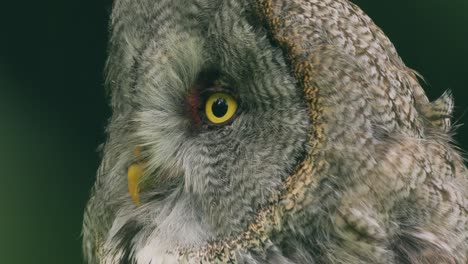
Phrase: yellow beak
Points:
(134, 175)
(135, 171)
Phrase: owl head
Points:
(243, 124)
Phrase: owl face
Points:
(217, 118)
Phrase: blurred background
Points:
(53, 109)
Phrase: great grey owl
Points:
(270, 131)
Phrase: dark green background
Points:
(53, 107)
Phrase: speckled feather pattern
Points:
(337, 156)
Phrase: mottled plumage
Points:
(335, 155)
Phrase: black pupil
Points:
(219, 107)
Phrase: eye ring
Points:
(220, 108)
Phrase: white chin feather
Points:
(149, 255)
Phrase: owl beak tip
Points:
(135, 172)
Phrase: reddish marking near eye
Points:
(193, 98)
(193, 105)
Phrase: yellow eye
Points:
(220, 107)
